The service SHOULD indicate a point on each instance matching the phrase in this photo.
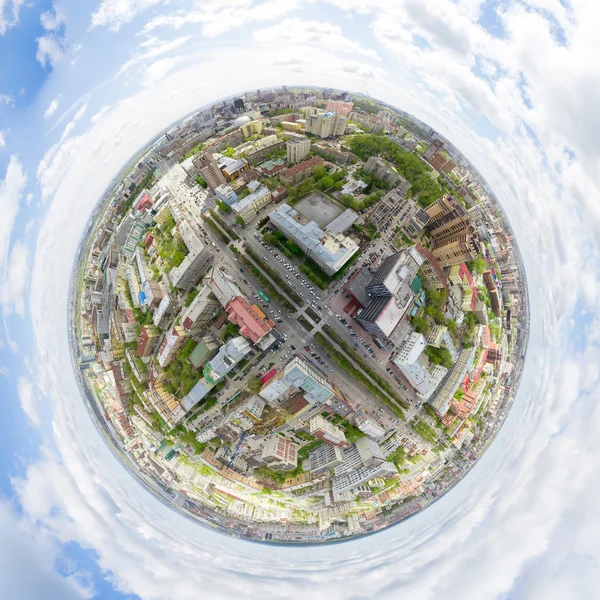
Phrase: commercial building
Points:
(197, 260)
(209, 170)
(200, 313)
(232, 168)
(296, 173)
(323, 458)
(390, 293)
(331, 251)
(247, 208)
(170, 345)
(383, 170)
(149, 338)
(280, 454)
(297, 150)
(326, 124)
(321, 428)
(251, 320)
(369, 451)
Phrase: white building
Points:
(195, 263)
(297, 150)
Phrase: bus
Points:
(263, 296)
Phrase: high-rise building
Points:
(324, 458)
(170, 345)
(165, 311)
(149, 337)
(209, 170)
(432, 149)
(463, 249)
(200, 313)
(297, 150)
(252, 128)
(338, 106)
(326, 124)
(198, 259)
(280, 454)
(321, 428)
(390, 293)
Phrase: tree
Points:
(421, 325)
(320, 171)
(254, 384)
(222, 206)
(200, 181)
(439, 356)
(239, 220)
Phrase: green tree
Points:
(239, 220)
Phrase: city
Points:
(299, 316)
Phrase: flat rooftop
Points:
(319, 208)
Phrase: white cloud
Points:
(115, 13)
(52, 45)
(2, 139)
(7, 99)
(15, 280)
(9, 14)
(29, 400)
(52, 107)
(295, 32)
(5, 371)
(12, 188)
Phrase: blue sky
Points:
(513, 84)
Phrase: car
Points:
(264, 258)
(246, 281)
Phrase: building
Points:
(252, 128)
(251, 320)
(280, 454)
(201, 312)
(383, 170)
(321, 428)
(226, 194)
(338, 106)
(204, 350)
(247, 208)
(441, 398)
(326, 124)
(331, 251)
(451, 231)
(438, 160)
(169, 408)
(232, 168)
(197, 260)
(390, 207)
(170, 345)
(209, 170)
(431, 273)
(149, 338)
(389, 294)
(296, 173)
(432, 149)
(297, 150)
(301, 374)
(229, 355)
(368, 425)
(165, 311)
(369, 451)
(222, 286)
(323, 458)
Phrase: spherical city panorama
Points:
(299, 315)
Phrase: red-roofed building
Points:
(300, 171)
(252, 323)
(144, 202)
(269, 376)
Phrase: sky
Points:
(514, 84)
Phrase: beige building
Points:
(326, 125)
(252, 128)
(297, 150)
(209, 170)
